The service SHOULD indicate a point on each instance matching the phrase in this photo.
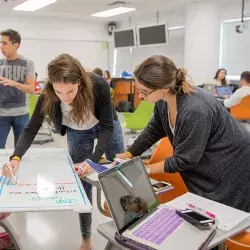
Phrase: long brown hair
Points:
(67, 69)
(159, 72)
(224, 80)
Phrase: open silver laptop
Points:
(141, 222)
(209, 87)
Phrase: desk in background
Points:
(124, 90)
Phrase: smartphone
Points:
(195, 218)
(162, 186)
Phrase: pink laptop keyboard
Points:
(159, 227)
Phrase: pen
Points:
(11, 172)
(201, 210)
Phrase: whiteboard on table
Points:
(46, 181)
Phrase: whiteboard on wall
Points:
(91, 54)
(46, 181)
(235, 49)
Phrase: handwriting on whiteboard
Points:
(58, 199)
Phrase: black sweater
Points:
(211, 149)
(103, 110)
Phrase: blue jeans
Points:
(81, 145)
(18, 124)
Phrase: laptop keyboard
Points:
(159, 227)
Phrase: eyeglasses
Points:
(144, 93)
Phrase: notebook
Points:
(141, 222)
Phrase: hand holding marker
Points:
(9, 166)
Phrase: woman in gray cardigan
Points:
(211, 149)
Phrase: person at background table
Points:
(17, 79)
(240, 93)
(79, 105)
(98, 71)
(220, 77)
(211, 149)
(109, 79)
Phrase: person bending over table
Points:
(79, 105)
(211, 149)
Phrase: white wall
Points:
(202, 40)
(43, 39)
(229, 9)
(235, 49)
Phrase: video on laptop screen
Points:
(129, 192)
(224, 91)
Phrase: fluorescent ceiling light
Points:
(236, 20)
(113, 12)
(33, 5)
(176, 28)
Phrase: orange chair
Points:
(242, 110)
(161, 152)
(243, 238)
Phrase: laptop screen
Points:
(129, 193)
(223, 91)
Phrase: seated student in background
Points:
(98, 71)
(109, 79)
(211, 149)
(79, 105)
(240, 93)
(220, 77)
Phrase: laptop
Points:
(141, 222)
(209, 87)
(223, 91)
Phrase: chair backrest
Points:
(144, 110)
(162, 151)
(32, 103)
(242, 110)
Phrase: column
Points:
(202, 40)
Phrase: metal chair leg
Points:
(109, 246)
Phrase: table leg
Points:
(109, 246)
(99, 202)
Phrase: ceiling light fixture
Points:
(113, 12)
(33, 5)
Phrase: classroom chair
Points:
(41, 137)
(243, 238)
(139, 119)
(161, 152)
(242, 110)
(112, 92)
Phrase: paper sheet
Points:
(228, 217)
